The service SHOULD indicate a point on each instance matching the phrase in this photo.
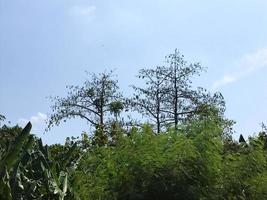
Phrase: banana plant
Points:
(56, 179)
(27, 170)
(13, 155)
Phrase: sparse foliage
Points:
(169, 97)
(150, 100)
(96, 101)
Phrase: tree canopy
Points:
(98, 101)
(168, 97)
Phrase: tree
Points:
(169, 97)
(149, 101)
(7, 134)
(96, 101)
(2, 118)
(183, 101)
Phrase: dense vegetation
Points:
(185, 150)
(195, 162)
(191, 164)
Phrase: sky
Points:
(48, 44)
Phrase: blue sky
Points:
(46, 45)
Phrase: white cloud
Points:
(244, 67)
(38, 121)
(83, 10)
(226, 79)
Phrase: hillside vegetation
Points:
(168, 140)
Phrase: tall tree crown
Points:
(95, 101)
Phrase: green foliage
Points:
(27, 170)
(11, 157)
(7, 136)
(14, 151)
(245, 170)
(191, 155)
(149, 166)
(192, 163)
